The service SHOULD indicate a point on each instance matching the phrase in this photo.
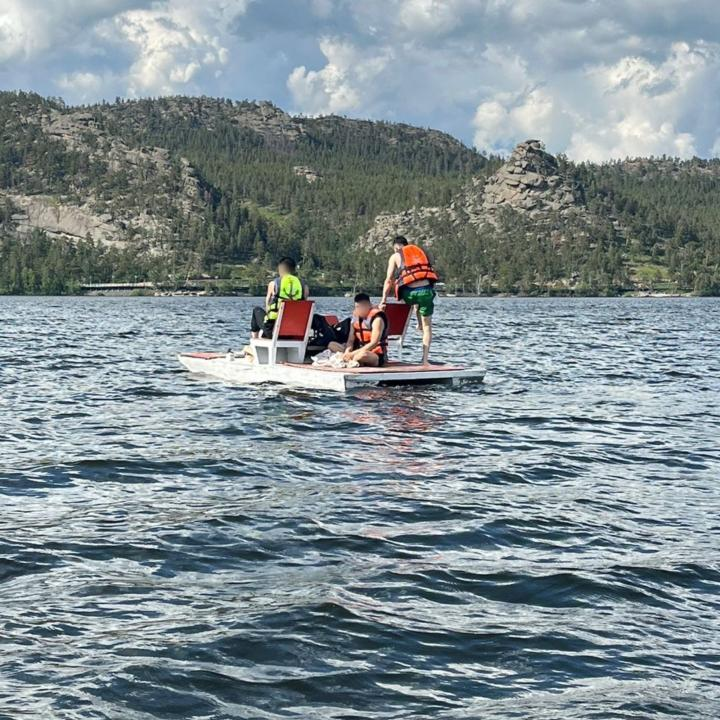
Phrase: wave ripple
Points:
(545, 546)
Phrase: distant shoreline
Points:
(467, 296)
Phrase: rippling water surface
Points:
(544, 546)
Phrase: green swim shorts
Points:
(423, 297)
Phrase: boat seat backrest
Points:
(397, 315)
(294, 320)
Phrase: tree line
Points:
(651, 223)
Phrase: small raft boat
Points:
(281, 359)
(226, 366)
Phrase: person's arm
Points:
(350, 344)
(268, 295)
(306, 292)
(389, 279)
(378, 326)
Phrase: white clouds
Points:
(144, 46)
(429, 17)
(15, 38)
(499, 123)
(342, 84)
(643, 108)
(594, 78)
(170, 47)
(490, 121)
(631, 107)
(30, 28)
(85, 86)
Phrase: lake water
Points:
(544, 546)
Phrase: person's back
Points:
(286, 286)
(412, 275)
(415, 270)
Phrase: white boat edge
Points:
(240, 371)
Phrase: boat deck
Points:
(391, 367)
(241, 370)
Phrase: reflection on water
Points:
(543, 546)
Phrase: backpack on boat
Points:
(322, 332)
(342, 330)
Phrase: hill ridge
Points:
(180, 186)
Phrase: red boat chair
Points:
(398, 318)
(290, 335)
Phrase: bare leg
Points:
(427, 339)
(336, 347)
(369, 359)
(418, 317)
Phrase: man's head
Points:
(363, 305)
(286, 266)
(399, 243)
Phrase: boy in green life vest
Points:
(286, 286)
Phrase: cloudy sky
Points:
(593, 78)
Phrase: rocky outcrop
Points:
(273, 125)
(648, 169)
(307, 172)
(82, 131)
(268, 121)
(416, 224)
(136, 192)
(530, 183)
(62, 218)
(59, 219)
(72, 129)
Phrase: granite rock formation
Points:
(530, 183)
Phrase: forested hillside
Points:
(176, 188)
(541, 224)
(668, 212)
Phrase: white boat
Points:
(281, 359)
(241, 370)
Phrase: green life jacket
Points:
(286, 288)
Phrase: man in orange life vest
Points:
(367, 342)
(411, 273)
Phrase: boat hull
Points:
(241, 371)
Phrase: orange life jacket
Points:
(363, 331)
(414, 266)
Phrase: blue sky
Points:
(595, 79)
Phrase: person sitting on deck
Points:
(367, 342)
(411, 273)
(286, 286)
